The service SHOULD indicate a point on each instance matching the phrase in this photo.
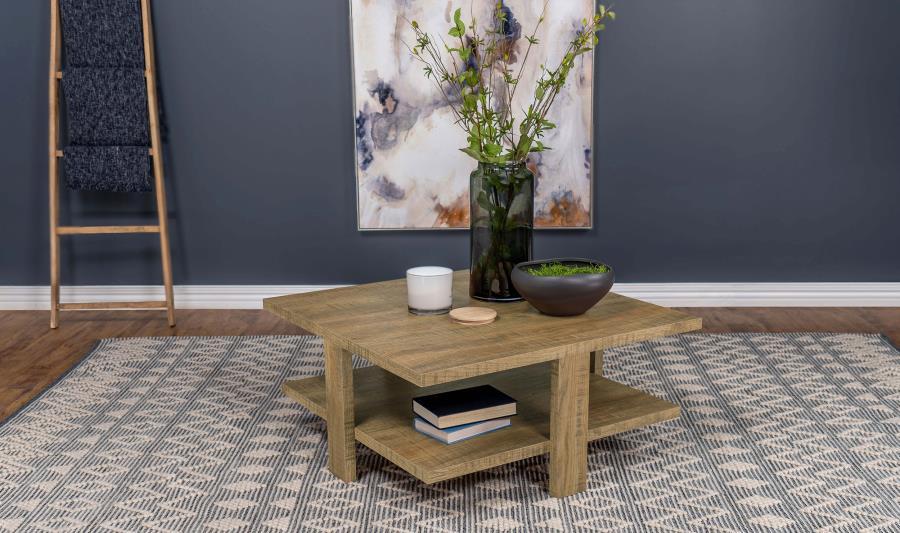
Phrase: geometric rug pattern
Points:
(792, 432)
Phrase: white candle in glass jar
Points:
(429, 290)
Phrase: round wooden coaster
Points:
(482, 323)
(473, 316)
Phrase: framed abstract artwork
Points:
(410, 174)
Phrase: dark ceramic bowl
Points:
(562, 295)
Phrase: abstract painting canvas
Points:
(410, 172)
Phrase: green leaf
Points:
(460, 25)
(483, 201)
(455, 32)
(471, 77)
(469, 101)
(493, 179)
(524, 146)
(492, 149)
(474, 154)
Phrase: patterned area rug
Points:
(792, 432)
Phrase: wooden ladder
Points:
(155, 152)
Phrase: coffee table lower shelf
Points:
(384, 418)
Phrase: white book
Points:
(458, 433)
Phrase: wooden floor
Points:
(32, 356)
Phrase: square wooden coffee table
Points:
(552, 366)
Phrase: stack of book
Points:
(462, 414)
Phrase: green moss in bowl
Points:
(547, 270)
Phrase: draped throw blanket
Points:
(108, 168)
(102, 33)
(105, 95)
(106, 107)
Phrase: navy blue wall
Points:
(748, 140)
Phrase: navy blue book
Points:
(464, 406)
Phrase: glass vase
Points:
(501, 201)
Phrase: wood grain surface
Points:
(473, 315)
(372, 321)
(384, 418)
(569, 409)
(339, 411)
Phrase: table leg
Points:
(340, 417)
(597, 362)
(569, 389)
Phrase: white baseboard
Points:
(764, 294)
(667, 294)
(186, 296)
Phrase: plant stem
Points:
(492, 134)
(528, 51)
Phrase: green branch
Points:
(469, 90)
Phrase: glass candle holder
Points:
(429, 290)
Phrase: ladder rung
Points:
(59, 153)
(100, 230)
(111, 305)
